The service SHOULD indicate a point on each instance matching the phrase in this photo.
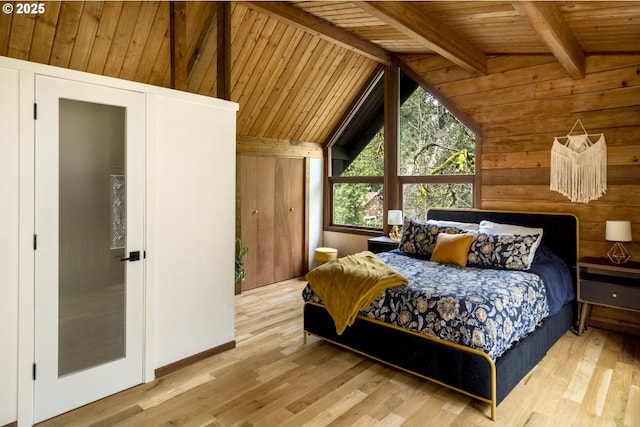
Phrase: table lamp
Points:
(618, 231)
(394, 218)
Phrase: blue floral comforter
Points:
(485, 309)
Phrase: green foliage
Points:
(370, 161)
(241, 252)
(432, 140)
(349, 204)
(461, 162)
(350, 199)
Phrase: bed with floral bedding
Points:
(477, 327)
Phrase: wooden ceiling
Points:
(296, 67)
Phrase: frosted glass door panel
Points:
(91, 304)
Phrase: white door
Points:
(89, 228)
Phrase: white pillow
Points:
(495, 227)
(467, 226)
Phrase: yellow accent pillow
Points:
(452, 249)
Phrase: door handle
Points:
(133, 256)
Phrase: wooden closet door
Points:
(272, 218)
(257, 218)
(289, 218)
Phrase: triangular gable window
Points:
(432, 142)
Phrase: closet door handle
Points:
(133, 256)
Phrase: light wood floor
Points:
(272, 379)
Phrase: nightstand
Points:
(382, 244)
(602, 282)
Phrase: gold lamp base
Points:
(395, 233)
(618, 254)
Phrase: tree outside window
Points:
(435, 147)
(436, 156)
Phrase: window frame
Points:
(392, 183)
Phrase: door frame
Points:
(26, 276)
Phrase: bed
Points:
(469, 362)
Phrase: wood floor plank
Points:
(584, 371)
(603, 382)
(632, 414)
(618, 395)
(272, 378)
(345, 404)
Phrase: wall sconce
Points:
(394, 218)
(618, 231)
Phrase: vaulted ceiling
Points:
(296, 67)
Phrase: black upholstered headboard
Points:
(560, 230)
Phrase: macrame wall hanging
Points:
(579, 165)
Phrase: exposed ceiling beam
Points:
(179, 61)
(208, 30)
(548, 22)
(223, 56)
(433, 35)
(321, 28)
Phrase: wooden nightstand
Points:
(602, 282)
(382, 244)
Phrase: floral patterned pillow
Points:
(419, 238)
(502, 250)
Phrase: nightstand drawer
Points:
(610, 294)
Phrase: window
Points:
(418, 198)
(358, 198)
(357, 165)
(436, 159)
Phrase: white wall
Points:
(315, 207)
(194, 184)
(345, 243)
(9, 218)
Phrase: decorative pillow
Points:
(452, 248)
(502, 250)
(467, 226)
(420, 237)
(495, 227)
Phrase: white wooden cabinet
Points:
(189, 226)
(193, 226)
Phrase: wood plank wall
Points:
(525, 102)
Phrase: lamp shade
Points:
(394, 217)
(618, 231)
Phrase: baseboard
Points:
(614, 325)
(172, 367)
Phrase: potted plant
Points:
(241, 252)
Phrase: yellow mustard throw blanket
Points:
(350, 284)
